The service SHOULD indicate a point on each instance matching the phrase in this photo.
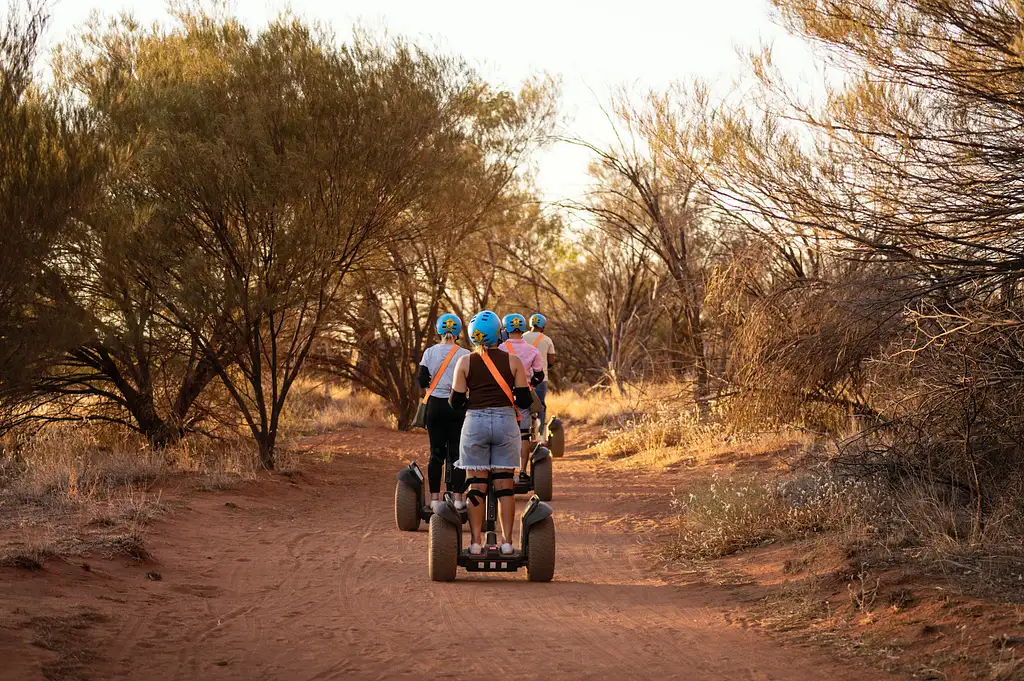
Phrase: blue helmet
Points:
(449, 323)
(514, 322)
(538, 321)
(484, 329)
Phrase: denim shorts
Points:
(490, 439)
(525, 420)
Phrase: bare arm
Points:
(518, 372)
(461, 373)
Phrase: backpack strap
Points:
(440, 372)
(502, 383)
(536, 342)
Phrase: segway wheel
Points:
(556, 438)
(542, 479)
(407, 513)
(443, 560)
(540, 560)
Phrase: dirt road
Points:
(308, 579)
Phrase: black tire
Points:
(556, 441)
(407, 511)
(443, 551)
(540, 561)
(542, 472)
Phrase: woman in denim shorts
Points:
(489, 447)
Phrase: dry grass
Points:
(597, 408)
(131, 542)
(660, 442)
(985, 556)
(1007, 670)
(651, 424)
(30, 557)
(605, 407)
(72, 463)
(72, 490)
(67, 637)
(796, 603)
(317, 408)
(656, 436)
(725, 515)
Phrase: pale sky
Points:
(592, 46)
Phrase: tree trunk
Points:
(701, 393)
(266, 449)
(405, 412)
(155, 429)
(701, 387)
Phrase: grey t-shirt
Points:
(432, 359)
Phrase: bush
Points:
(68, 463)
(595, 408)
(652, 433)
(71, 463)
(723, 516)
(315, 409)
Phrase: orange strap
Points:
(540, 337)
(508, 347)
(501, 382)
(440, 372)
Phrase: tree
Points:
(377, 342)
(649, 190)
(49, 172)
(602, 305)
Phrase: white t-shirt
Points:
(432, 359)
(545, 347)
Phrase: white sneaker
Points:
(476, 550)
(460, 505)
(507, 550)
(436, 506)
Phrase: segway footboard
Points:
(539, 454)
(491, 560)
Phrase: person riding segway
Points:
(490, 384)
(551, 434)
(444, 427)
(443, 424)
(515, 326)
(535, 471)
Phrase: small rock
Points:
(154, 576)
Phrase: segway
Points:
(556, 437)
(536, 537)
(410, 505)
(540, 473)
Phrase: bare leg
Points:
(524, 456)
(476, 511)
(506, 504)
